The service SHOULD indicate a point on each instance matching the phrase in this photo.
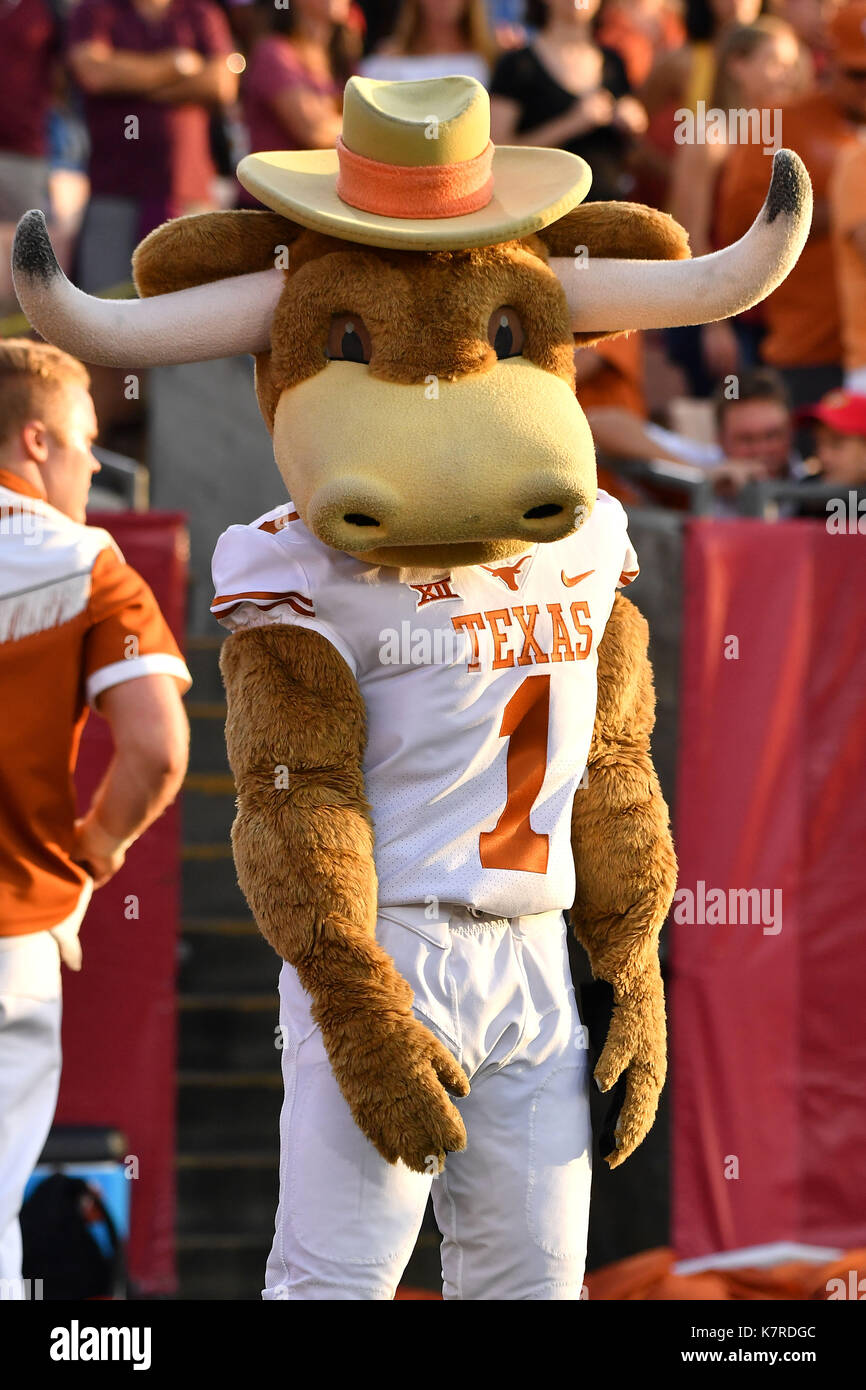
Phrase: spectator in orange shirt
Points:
(610, 375)
(78, 628)
(848, 220)
(804, 333)
(809, 19)
(758, 66)
(683, 76)
(611, 372)
(639, 30)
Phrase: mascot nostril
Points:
(439, 745)
(539, 513)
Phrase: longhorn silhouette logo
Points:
(507, 573)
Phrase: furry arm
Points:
(626, 873)
(303, 847)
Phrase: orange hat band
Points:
(403, 190)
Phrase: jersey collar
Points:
(14, 483)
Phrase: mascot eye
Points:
(505, 332)
(348, 339)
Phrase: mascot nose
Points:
(356, 513)
(546, 508)
(362, 513)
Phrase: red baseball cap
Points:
(841, 410)
(847, 34)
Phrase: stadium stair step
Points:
(234, 1194)
(219, 956)
(222, 1112)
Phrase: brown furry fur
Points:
(625, 230)
(208, 246)
(427, 313)
(304, 857)
(626, 872)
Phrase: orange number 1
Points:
(512, 843)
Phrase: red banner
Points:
(119, 1013)
(768, 1045)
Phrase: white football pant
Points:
(513, 1206)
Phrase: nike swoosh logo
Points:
(570, 583)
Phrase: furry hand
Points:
(635, 1047)
(394, 1074)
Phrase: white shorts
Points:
(513, 1206)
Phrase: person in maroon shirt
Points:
(292, 90)
(151, 71)
(29, 36)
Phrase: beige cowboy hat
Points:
(415, 168)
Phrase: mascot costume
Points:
(439, 704)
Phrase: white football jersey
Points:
(480, 690)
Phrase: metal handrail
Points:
(125, 477)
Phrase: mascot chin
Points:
(439, 702)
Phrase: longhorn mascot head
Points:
(416, 259)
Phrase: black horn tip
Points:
(789, 186)
(32, 252)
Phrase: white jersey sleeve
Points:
(630, 567)
(261, 577)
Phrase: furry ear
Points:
(209, 246)
(627, 231)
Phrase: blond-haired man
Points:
(78, 628)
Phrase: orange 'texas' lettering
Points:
(584, 633)
(561, 640)
(473, 623)
(527, 618)
(531, 653)
(494, 617)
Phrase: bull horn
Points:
(610, 295)
(195, 325)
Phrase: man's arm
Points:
(213, 85)
(151, 745)
(100, 69)
(309, 115)
(847, 198)
(620, 434)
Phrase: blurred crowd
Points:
(117, 114)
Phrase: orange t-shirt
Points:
(75, 619)
(847, 211)
(802, 315)
(620, 381)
